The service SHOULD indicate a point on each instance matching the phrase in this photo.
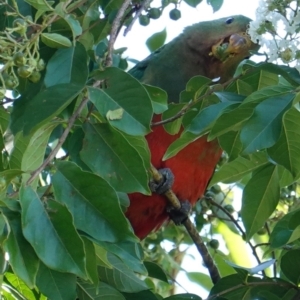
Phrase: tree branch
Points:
(239, 228)
(114, 31)
(202, 249)
(61, 140)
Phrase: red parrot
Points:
(212, 49)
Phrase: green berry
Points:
(214, 244)
(41, 65)
(24, 71)
(19, 59)
(11, 82)
(175, 14)
(20, 25)
(229, 208)
(165, 3)
(144, 20)
(216, 189)
(154, 13)
(262, 231)
(35, 76)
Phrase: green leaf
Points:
(260, 198)
(123, 91)
(29, 112)
(67, 66)
(42, 5)
(206, 117)
(158, 97)
(290, 265)
(267, 92)
(156, 40)
(231, 120)
(55, 40)
(263, 130)
(17, 287)
(56, 285)
(91, 260)
(29, 151)
(74, 25)
(286, 230)
(52, 228)
(96, 198)
(215, 4)
(155, 271)
(120, 277)
(238, 168)
(174, 126)
(107, 153)
(201, 279)
(231, 143)
(22, 257)
(130, 253)
(286, 151)
(103, 291)
(185, 139)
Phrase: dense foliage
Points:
(62, 227)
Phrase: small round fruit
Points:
(154, 13)
(165, 3)
(35, 77)
(144, 20)
(175, 14)
(214, 244)
(229, 208)
(11, 82)
(41, 65)
(262, 231)
(24, 71)
(216, 189)
(19, 59)
(21, 26)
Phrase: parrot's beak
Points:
(231, 46)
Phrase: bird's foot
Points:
(178, 216)
(164, 184)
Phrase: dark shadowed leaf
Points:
(22, 257)
(122, 91)
(286, 151)
(67, 66)
(56, 285)
(83, 191)
(260, 198)
(27, 113)
(52, 228)
(108, 153)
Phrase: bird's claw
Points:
(164, 184)
(178, 216)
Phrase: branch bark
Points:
(199, 243)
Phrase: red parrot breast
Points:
(192, 167)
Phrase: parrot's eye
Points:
(229, 20)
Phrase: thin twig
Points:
(114, 31)
(239, 228)
(202, 249)
(61, 140)
(144, 4)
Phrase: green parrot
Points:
(212, 49)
